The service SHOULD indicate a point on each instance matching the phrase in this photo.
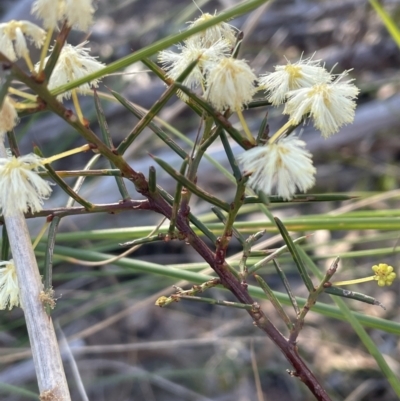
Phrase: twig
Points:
(311, 300)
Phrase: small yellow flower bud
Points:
(384, 274)
(161, 301)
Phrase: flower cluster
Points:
(306, 88)
(384, 274)
(226, 82)
(289, 77)
(330, 104)
(9, 290)
(309, 89)
(73, 63)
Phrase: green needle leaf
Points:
(295, 255)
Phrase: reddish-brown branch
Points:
(112, 208)
(301, 370)
(158, 204)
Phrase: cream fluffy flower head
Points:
(79, 13)
(8, 117)
(21, 187)
(74, 63)
(176, 63)
(284, 165)
(50, 11)
(330, 105)
(9, 290)
(208, 37)
(12, 38)
(302, 74)
(230, 84)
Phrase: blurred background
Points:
(126, 348)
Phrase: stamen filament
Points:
(70, 152)
(44, 49)
(23, 106)
(40, 235)
(355, 281)
(28, 61)
(280, 132)
(77, 106)
(245, 126)
(23, 94)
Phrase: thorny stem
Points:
(196, 289)
(111, 208)
(177, 200)
(311, 300)
(223, 241)
(247, 245)
(212, 301)
(111, 172)
(159, 205)
(55, 53)
(229, 281)
(195, 161)
(57, 107)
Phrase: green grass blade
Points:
(63, 253)
(387, 20)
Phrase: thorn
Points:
(379, 304)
